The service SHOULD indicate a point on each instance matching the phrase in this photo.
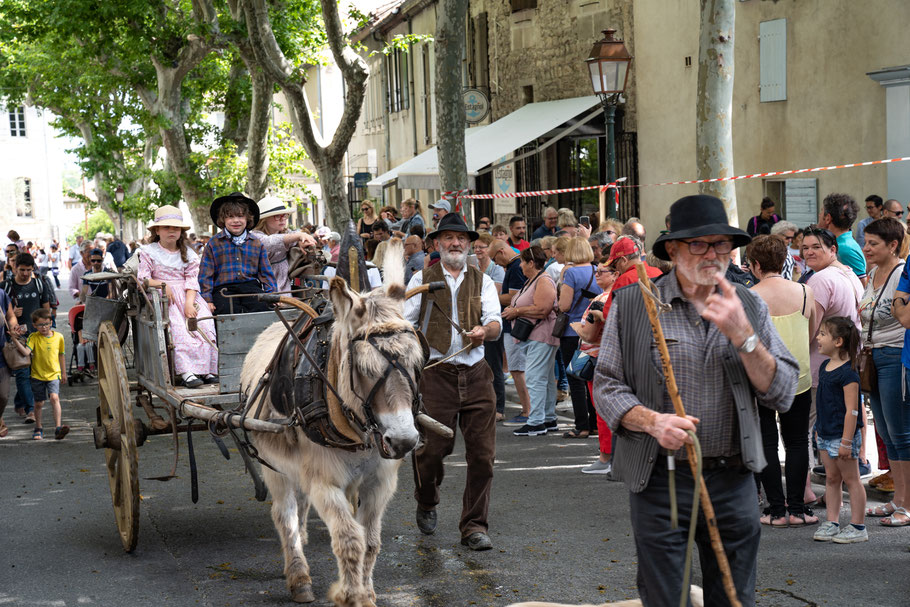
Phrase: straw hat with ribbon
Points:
(271, 206)
(169, 216)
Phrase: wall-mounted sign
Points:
(476, 105)
(361, 179)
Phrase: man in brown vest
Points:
(458, 390)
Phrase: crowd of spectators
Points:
(558, 284)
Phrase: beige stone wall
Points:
(833, 114)
(545, 48)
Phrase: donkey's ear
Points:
(341, 296)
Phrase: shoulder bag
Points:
(15, 360)
(562, 319)
(865, 364)
(522, 327)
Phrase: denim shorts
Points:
(831, 446)
(43, 389)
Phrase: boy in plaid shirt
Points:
(234, 262)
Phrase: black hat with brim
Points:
(452, 222)
(238, 197)
(699, 215)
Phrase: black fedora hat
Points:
(452, 222)
(238, 197)
(699, 215)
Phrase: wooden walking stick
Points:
(645, 284)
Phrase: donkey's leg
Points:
(285, 515)
(347, 544)
(375, 496)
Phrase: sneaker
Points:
(818, 471)
(528, 430)
(561, 395)
(881, 478)
(518, 420)
(426, 521)
(510, 381)
(826, 532)
(30, 418)
(865, 470)
(477, 541)
(552, 426)
(598, 467)
(61, 431)
(851, 535)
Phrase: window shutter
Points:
(772, 45)
(801, 201)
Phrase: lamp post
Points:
(608, 65)
(118, 195)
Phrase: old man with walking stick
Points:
(722, 358)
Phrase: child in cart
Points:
(235, 262)
(48, 370)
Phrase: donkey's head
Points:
(379, 357)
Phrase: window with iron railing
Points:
(397, 93)
(24, 197)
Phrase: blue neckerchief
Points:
(237, 240)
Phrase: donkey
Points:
(369, 331)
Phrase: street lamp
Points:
(118, 195)
(608, 65)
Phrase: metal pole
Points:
(609, 114)
(121, 222)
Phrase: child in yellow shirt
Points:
(48, 370)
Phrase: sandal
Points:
(61, 431)
(891, 521)
(803, 519)
(38, 434)
(575, 434)
(776, 521)
(884, 510)
(4, 430)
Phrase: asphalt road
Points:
(558, 534)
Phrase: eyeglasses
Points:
(898, 213)
(606, 271)
(42, 324)
(700, 247)
(826, 235)
(365, 208)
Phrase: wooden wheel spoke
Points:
(122, 463)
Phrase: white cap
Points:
(443, 204)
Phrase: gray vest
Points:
(637, 452)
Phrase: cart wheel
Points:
(117, 420)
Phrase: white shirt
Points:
(372, 274)
(75, 254)
(489, 312)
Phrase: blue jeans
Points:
(562, 380)
(886, 402)
(541, 382)
(24, 398)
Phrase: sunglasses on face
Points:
(96, 260)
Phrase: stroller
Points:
(82, 358)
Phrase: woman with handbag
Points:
(880, 361)
(790, 305)
(575, 293)
(533, 313)
(590, 330)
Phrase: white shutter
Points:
(801, 201)
(772, 55)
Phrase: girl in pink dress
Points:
(170, 263)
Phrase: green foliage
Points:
(286, 165)
(98, 221)
(403, 43)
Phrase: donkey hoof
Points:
(302, 593)
(343, 598)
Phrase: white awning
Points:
(484, 146)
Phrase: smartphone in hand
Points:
(585, 221)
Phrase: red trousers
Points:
(604, 436)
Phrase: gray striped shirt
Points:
(697, 350)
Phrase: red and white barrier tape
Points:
(616, 186)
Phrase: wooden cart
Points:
(119, 433)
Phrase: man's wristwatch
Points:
(749, 345)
